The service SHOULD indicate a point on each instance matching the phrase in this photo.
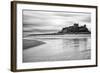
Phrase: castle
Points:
(75, 29)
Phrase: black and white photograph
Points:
(56, 36)
(53, 36)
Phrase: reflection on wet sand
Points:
(58, 50)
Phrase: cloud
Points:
(50, 21)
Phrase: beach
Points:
(56, 48)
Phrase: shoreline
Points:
(66, 36)
(31, 43)
(61, 34)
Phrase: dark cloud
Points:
(39, 30)
(34, 25)
(86, 19)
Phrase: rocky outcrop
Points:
(75, 29)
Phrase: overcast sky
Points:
(49, 21)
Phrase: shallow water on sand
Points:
(59, 49)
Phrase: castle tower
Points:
(76, 27)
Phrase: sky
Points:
(41, 22)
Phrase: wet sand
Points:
(42, 50)
(31, 43)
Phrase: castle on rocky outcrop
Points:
(75, 29)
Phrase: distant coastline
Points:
(65, 36)
(59, 34)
